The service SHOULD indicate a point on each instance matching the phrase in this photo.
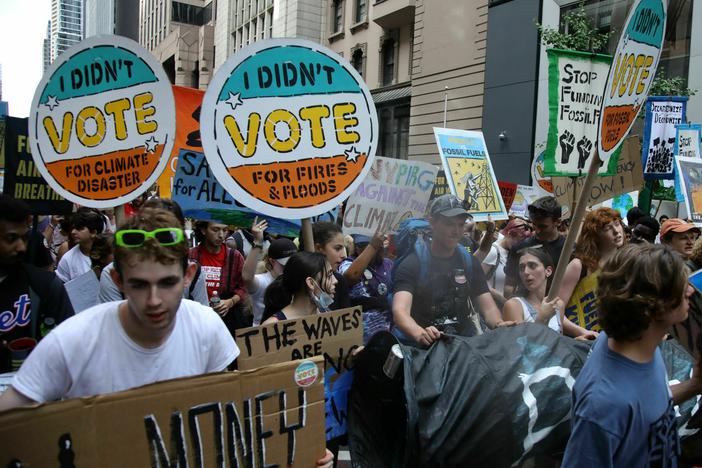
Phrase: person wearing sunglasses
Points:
(125, 344)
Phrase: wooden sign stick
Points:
(306, 232)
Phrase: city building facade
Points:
(46, 49)
(66, 25)
(181, 36)
(119, 17)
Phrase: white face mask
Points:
(321, 299)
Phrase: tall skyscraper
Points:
(66, 25)
(119, 17)
(47, 46)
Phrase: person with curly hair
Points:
(601, 235)
(687, 331)
(622, 411)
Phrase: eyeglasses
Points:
(133, 238)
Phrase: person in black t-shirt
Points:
(424, 308)
(32, 300)
(545, 215)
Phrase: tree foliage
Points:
(675, 86)
(581, 34)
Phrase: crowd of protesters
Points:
(465, 279)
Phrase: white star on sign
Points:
(52, 102)
(352, 154)
(151, 144)
(234, 100)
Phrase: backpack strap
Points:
(193, 283)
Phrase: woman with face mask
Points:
(306, 287)
(530, 304)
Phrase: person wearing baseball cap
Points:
(679, 235)
(425, 306)
(279, 251)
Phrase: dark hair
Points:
(638, 285)
(101, 249)
(88, 218)
(12, 210)
(165, 204)
(543, 256)
(323, 231)
(645, 229)
(633, 215)
(149, 219)
(545, 207)
(300, 266)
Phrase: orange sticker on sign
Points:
(102, 120)
(289, 128)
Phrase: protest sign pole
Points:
(574, 229)
(306, 233)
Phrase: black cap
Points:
(447, 206)
(281, 249)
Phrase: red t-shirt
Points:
(212, 268)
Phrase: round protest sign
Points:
(631, 74)
(289, 128)
(102, 122)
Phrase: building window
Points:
(387, 55)
(394, 131)
(357, 61)
(338, 16)
(360, 10)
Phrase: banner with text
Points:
(628, 178)
(188, 102)
(467, 165)
(393, 190)
(22, 178)
(441, 186)
(267, 417)
(526, 194)
(687, 145)
(508, 191)
(576, 82)
(690, 170)
(333, 335)
(663, 113)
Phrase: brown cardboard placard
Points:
(629, 178)
(270, 416)
(333, 335)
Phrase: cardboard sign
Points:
(688, 138)
(663, 114)
(289, 128)
(576, 81)
(628, 178)
(201, 197)
(188, 102)
(690, 170)
(333, 335)
(467, 164)
(631, 74)
(393, 191)
(22, 178)
(103, 122)
(268, 417)
(508, 191)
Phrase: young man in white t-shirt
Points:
(87, 224)
(279, 251)
(154, 335)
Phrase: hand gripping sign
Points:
(102, 122)
(289, 128)
(631, 73)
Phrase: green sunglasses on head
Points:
(133, 238)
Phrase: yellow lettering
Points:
(289, 144)
(342, 122)
(141, 113)
(644, 74)
(96, 138)
(116, 110)
(314, 115)
(60, 144)
(628, 71)
(245, 148)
